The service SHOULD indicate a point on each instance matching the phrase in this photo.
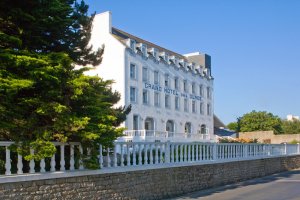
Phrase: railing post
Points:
(72, 161)
(20, 165)
(215, 152)
(285, 149)
(62, 157)
(42, 165)
(115, 156)
(52, 163)
(81, 157)
(167, 154)
(31, 162)
(298, 148)
(108, 157)
(7, 161)
(245, 146)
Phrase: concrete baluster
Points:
(20, 164)
(62, 157)
(146, 154)
(151, 154)
(156, 153)
(181, 152)
(115, 164)
(193, 152)
(52, 163)
(197, 152)
(100, 157)
(122, 154)
(128, 155)
(81, 167)
(134, 154)
(108, 157)
(31, 163)
(42, 165)
(172, 153)
(7, 161)
(167, 152)
(185, 153)
(140, 154)
(189, 153)
(215, 152)
(72, 160)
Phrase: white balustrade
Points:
(136, 154)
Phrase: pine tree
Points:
(42, 96)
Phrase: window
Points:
(156, 77)
(144, 49)
(132, 94)
(177, 103)
(132, 71)
(156, 99)
(185, 86)
(145, 74)
(145, 97)
(208, 92)
(135, 122)
(176, 83)
(186, 105)
(194, 106)
(201, 90)
(193, 88)
(132, 44)
(208, 109)
(167, 80)
(167, 101)
(201, 108)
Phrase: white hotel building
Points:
(171, 94)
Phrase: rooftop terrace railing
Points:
(141, 154)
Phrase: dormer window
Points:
(154, 52)
(165, 56)
(174, 60)
(143, 48)
(131, 44)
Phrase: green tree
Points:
(234, 126)
(260, 121)
(42, 96)
(291, 127)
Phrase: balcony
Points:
(163, 136)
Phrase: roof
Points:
(218, 123)
(122, 36)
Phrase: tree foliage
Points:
(291, 127)
(234, 126)
(42, 96)
(260, 121)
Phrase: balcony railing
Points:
(163, 135)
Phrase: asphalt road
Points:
(282, 186)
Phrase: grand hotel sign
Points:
(171, 91)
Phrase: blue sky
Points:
(254, 44)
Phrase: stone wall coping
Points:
(68, 174)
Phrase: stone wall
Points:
(147, 184)
(269, 137)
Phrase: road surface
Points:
(282, 186)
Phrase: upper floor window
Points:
(145, 97)
(208, 109)
(177, 103)
(133, 94)
(167, 80)
(157, 99)
(132, 71)
(208, 92)
(145, 74)
(186, 105)
(167, 101)
(194, 106)
(185, 86)
(176, 83)
(201, 108)
(156, 77)
(193, 88)
(201, 90)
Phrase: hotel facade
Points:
(171, 94)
